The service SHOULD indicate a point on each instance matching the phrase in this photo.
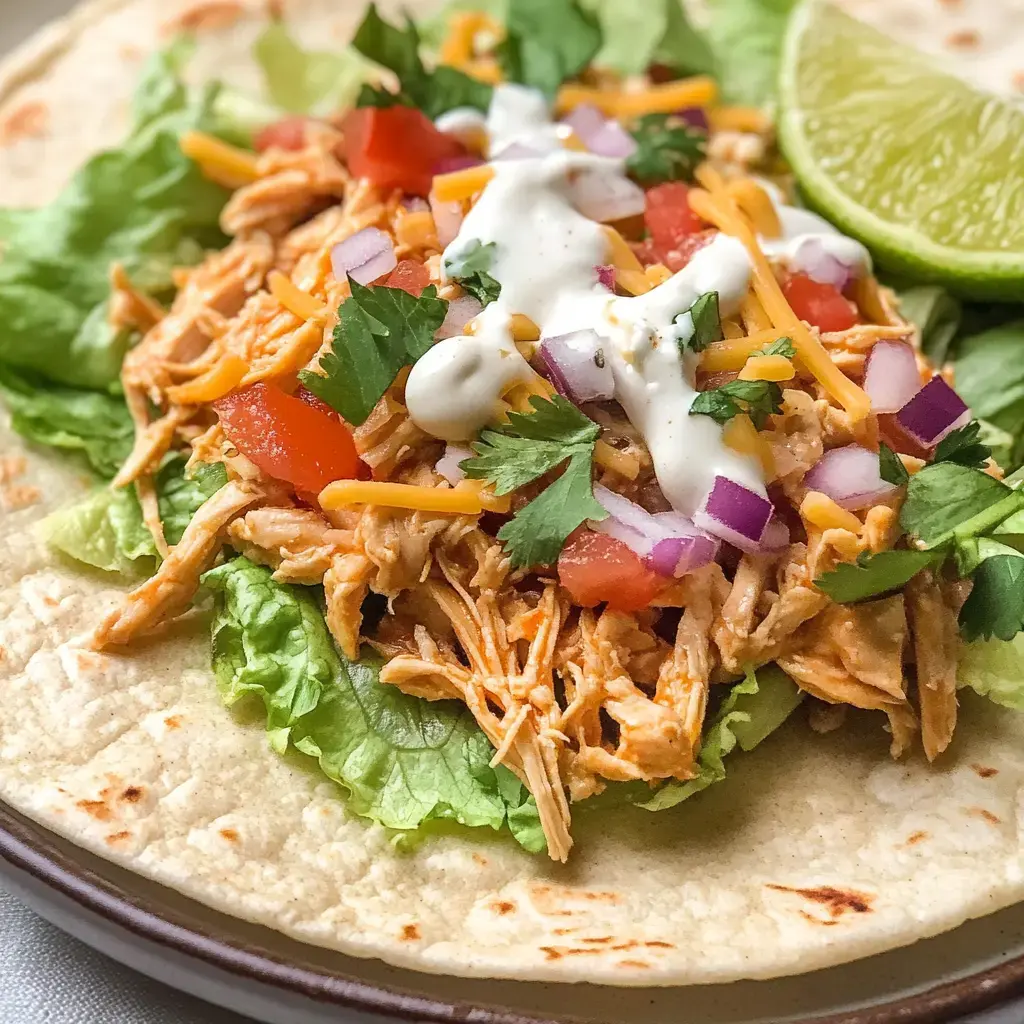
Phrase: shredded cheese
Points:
(821, 511)
(753, 314)
(485, 69)
(459, 45)
(458, 501)
(741, 435)
(699, 91)
(572, 141)
(738, 119)
(417, 230)
(459, 185)
(523, 328)
(774, 368)
(869, 300)
(731, 329)
(293, 298)
(720, 209)
(490, 501)
(624, 463)
(657, 273)
(227, 165)
(755, 203)
(732, 354)
(224, 376)
(629, 271)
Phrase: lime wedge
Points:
(925, 170)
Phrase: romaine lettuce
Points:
(995, 669)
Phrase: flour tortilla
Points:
(816, 850)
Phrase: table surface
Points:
(47, 977)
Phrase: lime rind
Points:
(902, 87)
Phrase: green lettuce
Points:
(995, 669)
(180, 495)
(404, 761)
(753, 710)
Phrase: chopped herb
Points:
(667, 150)
(758, 398)
(471, 269)
(964, 447)
(519, 452)
(380, 330)
(873, 574)
(995, 607)
(707, 322)
(780, 347)
(890, 466)
(397, 49)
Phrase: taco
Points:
(422, 471)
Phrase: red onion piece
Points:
(585, 120)
(735, 514)
(460, 312)
(890, 376)
(460, 162)
(775, 536)
(695, 117)
(449, 466)
(669, 542)
(933, 412)
(602, 136)
(517, 151)
(813, 259)
(447, 219)
(606, 276)
(850, 476)
(364, 256)
(606, 197)
(576, 365)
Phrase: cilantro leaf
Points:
(758, 398)
(890, 467)
(964, 447)
(779, 347)
(528, 446)
(537, 533)
(995, 607)
(548, 42)
(398, 49)
(873, 574)
(471, 269)
(707, 322)
(946, 498)
(380, 330)
(667, 150)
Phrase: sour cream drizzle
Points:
(545, 255)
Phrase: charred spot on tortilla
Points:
(117, 837)
(29, 120)
(835, 901)
(204, 16)
(915, 837)
(173, 721)
(230, 834)
(133, 794)
(503, 907)
(984, 814)
(411, 932)
(635, 964)
(97, 809)
(984, 771)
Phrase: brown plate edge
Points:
(25, 846)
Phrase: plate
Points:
(255, 971)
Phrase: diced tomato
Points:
(307, 396)
(410, 276)
(287, 437)
(594, 568)
(395, 147)
(288, 133)
(677, 258)
(668, 216)
(821, 305)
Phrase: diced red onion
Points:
(459, 162)
(695, 117)
(449, 466)
(447, 219)
(669, 543)
(364, 256)
(517, 151)
(606, 197)
(585, 120)
(775, 536)
(602, 136)
(850, 476)
(460, 312)
(891, 378)
(933, 412)
(576, 365)
(735, 514)
(606, 276)
(813, 259)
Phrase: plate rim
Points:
(29, 846)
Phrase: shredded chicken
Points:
(298, 544)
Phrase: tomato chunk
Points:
(410, 276)
(594, 568)
(821, 305)
(288, 438)
(668, 216)
(288, 133)
(395, 147)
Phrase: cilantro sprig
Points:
(667, 150)
(758, 398)
(707, 323)
(398, 49)
(471, 268)
(380, 330)
(964, 447)
(873, 574)
(524, 449)
(890, 466)
(779, 347)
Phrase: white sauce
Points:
(545, 255)
(467, 124)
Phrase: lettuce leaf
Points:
(144, 204)
(995, 669)
(752, 711)
(180, 495)
(403, 760)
